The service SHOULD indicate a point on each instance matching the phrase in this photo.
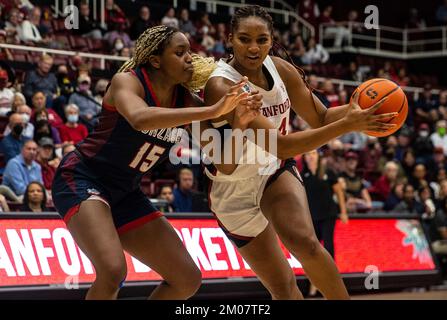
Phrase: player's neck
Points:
(254, 76)
(163, 87)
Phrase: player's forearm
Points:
(304, 141)
(335, 113)
(159, 117)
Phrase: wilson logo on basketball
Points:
(371, 93)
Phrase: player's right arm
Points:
(126, 95)
(290, 145)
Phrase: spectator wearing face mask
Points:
(28, 131)
(13, 142)
(439, 137)
(6, 94)
(72, 131)
(83, 98)
(44, 129)
(39, 105)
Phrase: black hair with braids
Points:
(154, 41)
(277, 49)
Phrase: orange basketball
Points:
(372, 91)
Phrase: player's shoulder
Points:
(283, 66)
(286, 70)
(216, 87)
(127, 81)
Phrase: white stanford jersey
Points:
(275, 107)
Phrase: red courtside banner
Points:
(42, 252)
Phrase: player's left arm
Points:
(313, 112)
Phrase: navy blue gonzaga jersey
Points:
(121, 154)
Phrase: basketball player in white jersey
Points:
(253, 208)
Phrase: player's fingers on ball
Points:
(386, 115)
(377, 105)
(355, 97)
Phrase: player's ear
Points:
(154, 61)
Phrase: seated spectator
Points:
(315, 53)
(47, 161)
(35, 198)
(204, 25)
(382, 187)
(12, 144)
(167, 194)
(404, 142)
(67, 148)
(114, 14)
(185, 24)
(402, 79)
(439, 137)
(297, 50)
(425, 197)
(141, 23)
(72, 131)
(118, 32)
(333, 29)
(39, 106)
(41, 79)
(409, 204)
(44, 129)
(12, 26)
(65, 84)
(355, 140)
(23, 169)
(87, 26)
(30, 33)
(435, 184)
(396, 195)
(438, 230)
(18, 100)
(369, 158)
(443, 104)
(357, 196)
(5, 53)
(423, 146)
(336, 159)
(408, 163)
(439, 161)
(426, 106)
(6, 94)
(169, 19)
(100, 90)
(183, 193)
(331, 95)
(308, 9)
(418, 179)
(28, 131)
(83, 98)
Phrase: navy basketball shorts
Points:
(76, 182)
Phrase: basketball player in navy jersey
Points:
(253, 209)
(96, 188)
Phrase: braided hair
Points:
(154, 41)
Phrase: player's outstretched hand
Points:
(234, 97)
(358, 119)
(247, 111)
